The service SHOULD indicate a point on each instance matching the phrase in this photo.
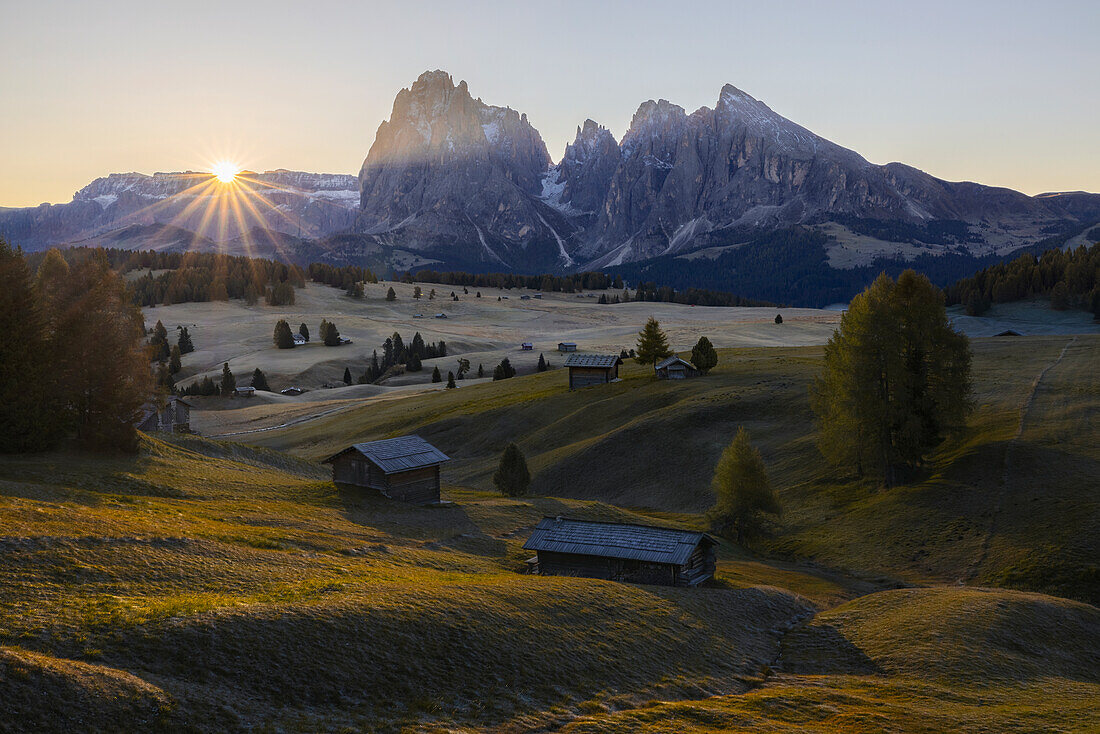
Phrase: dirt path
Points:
(1025, 409)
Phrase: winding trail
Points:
(1025, 409)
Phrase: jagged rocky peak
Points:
(586, 168)
(660, 118)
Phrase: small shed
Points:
(567, 346)
(173, 417)
(674, 368)
(244, 391)
(298, 339)
(643, 554)
(538, 296)
(404, 468)
(592, 369)
(527, 346)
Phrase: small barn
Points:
(404, 468)
(592, 369)
(527, 346)
(244, 391)
(567, 346)
(173, 417)
(642, 554)
(674, 368)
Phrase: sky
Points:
(1004, 93)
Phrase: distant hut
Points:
(173, 417)
(244, 391)
(567, 346)
(592, 369)
(292, 391)
(527, 346)
(641, 554)
(405, 468)
(674, 368)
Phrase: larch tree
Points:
(175, 364)
(896, 379)
(512, 477)
(229, 382)
(743, 494)
(283, 338)
(703, 355)
(30, 418)
(652, 344)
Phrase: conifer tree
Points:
(174, 363)
(779, 318)
(703, 355)
(481, 370)
(329, 334)
(283, 338)
(412, 362)
(159, 342)
(391, 295)
(184, 342)
(742, 491)
(542, 366)
(347, 375)
(436, 377)
(451, 380)
(652, 343)
(512, 478)
(895, 381)
(304, 331)
(259, 380)
(30, 417)
(229, 382)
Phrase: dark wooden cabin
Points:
(405, 468)
(174, 416)
(674, 368)
(641, 554)
(592, 369)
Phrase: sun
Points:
(226, 171)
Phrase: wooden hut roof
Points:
(615, 540)
(604, 361)
(398, 454)
(671, 361)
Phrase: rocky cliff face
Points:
(448, 173)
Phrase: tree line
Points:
(73, 361)
(1071, 279)
(569, 283)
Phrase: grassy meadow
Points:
(206, 585)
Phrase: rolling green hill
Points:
(1012, 502)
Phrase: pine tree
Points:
(330, 335)
(417, 292)
(159, 342)
(504, 370)
(174, 363)
(512, 477)
(742, 491)
(259, 380)
(391, 295)
(412, 362)
(347, 375)
(229, 382)
(779, 318)
(436, 377)
(542, 366)
(652, 343)
(30, 417)
(283, 338)
(896, 379)
(703, 355)
(184, 342)
(451, 380)
(481, 370)
(304, 331)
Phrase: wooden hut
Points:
(592, 369)
(244, 391)
(527, 346)
(567, 346)
(641, 554)
(405, 468)
(173, 417)
(674, 368)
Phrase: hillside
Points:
(1011, 502)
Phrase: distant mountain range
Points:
(453, 182)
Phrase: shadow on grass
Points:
(822, 649)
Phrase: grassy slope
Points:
(212, 585)
(914, 660)
(1032, 525)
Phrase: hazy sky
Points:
(1004, 93)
